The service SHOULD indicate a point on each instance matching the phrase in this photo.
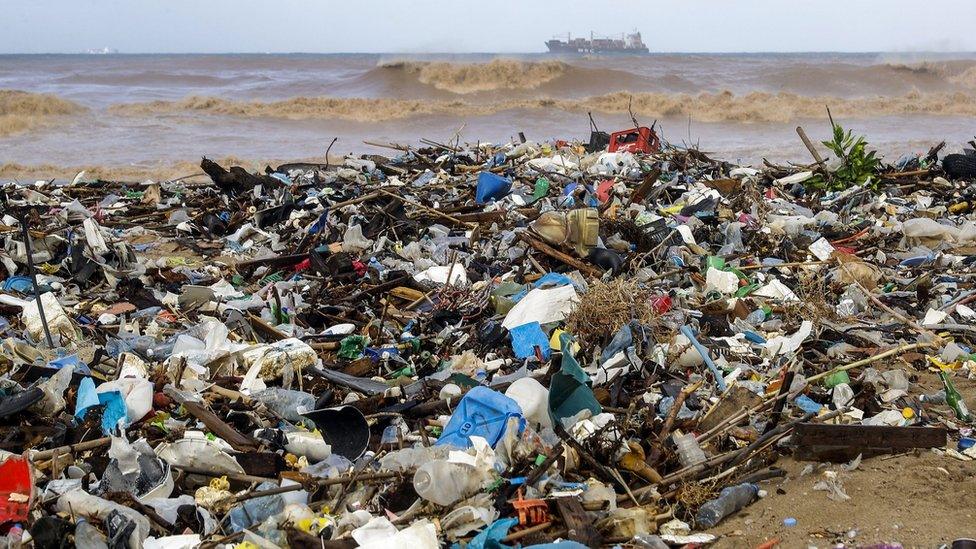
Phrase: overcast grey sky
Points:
(35, 26)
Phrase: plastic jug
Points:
(583, 227)
(484, 413)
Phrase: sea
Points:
(119, 110)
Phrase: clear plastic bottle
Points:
(689, 452)
(756, 317)
(729, 501)
(89, 537)
(444, 483)
(938, 397)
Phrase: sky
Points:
(429, 26)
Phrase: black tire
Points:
(959, 166)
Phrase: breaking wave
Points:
(550, 77)
(21, 111)
(464, 78)
(962, 73)
(705, 107)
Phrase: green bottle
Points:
(953, 398)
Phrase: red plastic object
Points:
(16, 490)
(603, 190)
(642, 139)
(661, 304)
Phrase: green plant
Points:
(857, 164)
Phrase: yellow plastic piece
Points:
(554, 341)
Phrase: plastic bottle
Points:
(729, 501)
(255, 511)
(89, 537)
(756, 317)
(689, 452)
(938, 397)
(649, 541)
(444, 483)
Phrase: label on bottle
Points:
(963, 410)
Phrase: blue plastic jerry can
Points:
(484, 413)
(491, 187)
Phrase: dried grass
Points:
(692, 495)
(606, 306)
(812, 289)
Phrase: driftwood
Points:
(577, 264)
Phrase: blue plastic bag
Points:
(491, 537)
(807, 404)
(528, 336)
(115, 415)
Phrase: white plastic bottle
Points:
(444, 483)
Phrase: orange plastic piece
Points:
(530, 511)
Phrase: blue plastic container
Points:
(483, 413)
(491, 187)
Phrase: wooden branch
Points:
(577, 264)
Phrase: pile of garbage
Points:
(555, 344)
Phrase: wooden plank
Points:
(825, 442)
(579, 523)
(265, 329)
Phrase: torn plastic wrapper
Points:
(543, 306)
(198, 453)
(115, 413)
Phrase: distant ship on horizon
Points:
(101, 51)
(627, 43)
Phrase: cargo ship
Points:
(627, 44)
